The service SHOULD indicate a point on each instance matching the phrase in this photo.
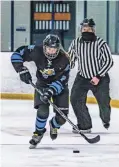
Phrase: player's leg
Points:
(78, 100)
(62, 102)
(101, 92)
(41, 119)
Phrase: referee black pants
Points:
(79, 92)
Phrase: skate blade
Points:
(32, 146)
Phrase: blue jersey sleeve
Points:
(21, 55)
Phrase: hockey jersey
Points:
(54, 73)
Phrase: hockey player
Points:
(52, 78)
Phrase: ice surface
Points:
(17, 125)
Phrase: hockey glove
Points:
(47, 94)
(25, 75)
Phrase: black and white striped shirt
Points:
(94, 58)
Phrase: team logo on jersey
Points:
(49, 63)
(47, 72)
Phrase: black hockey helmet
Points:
(88, 22)
(51, 41)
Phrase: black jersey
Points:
(49, 72)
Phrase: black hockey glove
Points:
(25, 75)
(47, 94)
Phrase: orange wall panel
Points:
(42, 16)
(62, 16)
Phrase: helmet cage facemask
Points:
(48, 55)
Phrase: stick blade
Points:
(93, 140)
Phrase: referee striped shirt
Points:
(94, 58)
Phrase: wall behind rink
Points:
(10, 82)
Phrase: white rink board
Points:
(12, 84)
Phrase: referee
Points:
(94, 62)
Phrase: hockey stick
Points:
(91, 141)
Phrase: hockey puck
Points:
(76, 151)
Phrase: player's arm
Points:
(72, 53)
(21, 55)
(107, 60)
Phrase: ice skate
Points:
(106, 125)
(36, 138)
(53, 131)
